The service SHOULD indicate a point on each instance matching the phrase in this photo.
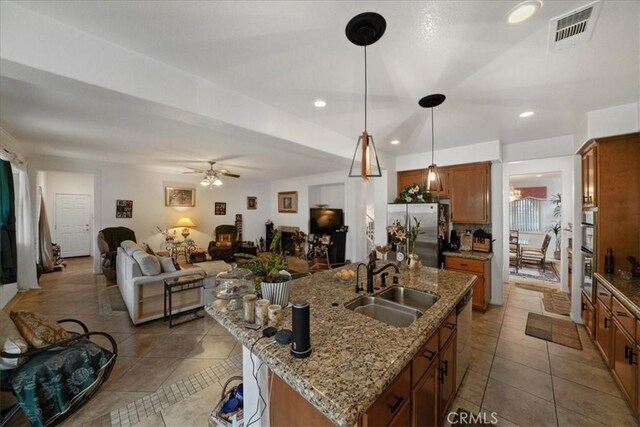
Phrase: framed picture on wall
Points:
(288, 202)
(124, 208)
(252, 203)
(179, 197)
(220, 208)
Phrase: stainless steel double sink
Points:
(396, 306)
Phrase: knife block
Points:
(482, 245)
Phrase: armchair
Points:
(109, 240)
(51, 383)
(536, 256)
(224, 244)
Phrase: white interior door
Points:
(73, 224)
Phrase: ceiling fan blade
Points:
(232, 175)
(192, 173)
(195, 169)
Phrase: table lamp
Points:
(185, 222)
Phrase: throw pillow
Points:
(223, 244)
(225, 238)
(12, 342)
(130, 247)
(148, 249)
(166, 263)
(176, 265)
(37, 330)
(149, 264)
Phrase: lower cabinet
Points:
(588, 315)
(603, 331)
(624, 361)
(447, 375)
(482, 285)
(425, 397)
(392, 401)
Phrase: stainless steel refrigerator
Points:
(427, 241)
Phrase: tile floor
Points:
(152, 358)
(532, 382)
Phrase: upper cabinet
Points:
(589, 176)
(470, 188)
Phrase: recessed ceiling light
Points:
(320, 103)
(538, 176)
(395, 142)
(523, 11)
(526, 114)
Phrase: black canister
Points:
(301, 343)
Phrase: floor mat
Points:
(536, 273)
(537, 288)
(557, 302)
(559, 331)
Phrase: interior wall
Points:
(332, 195)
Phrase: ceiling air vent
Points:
(573, 28)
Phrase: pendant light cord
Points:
(432, 143)
(365, 88)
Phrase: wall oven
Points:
(588, 251)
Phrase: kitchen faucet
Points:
(371, 273)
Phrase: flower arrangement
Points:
(413, 194)
(168, 236)
(266, 267)
(414, 233)
(397, 232)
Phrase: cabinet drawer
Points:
(624, 317)
(604, 295)
(464, 264)
(447, 328)
(391, 401)
(638, 341)
(423, 359)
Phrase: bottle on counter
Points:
(608, 261)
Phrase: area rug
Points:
(530, 272)
(115, 298)
(559, 331)
(537, 288)
(556, 302)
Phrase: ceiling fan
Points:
(211, 176)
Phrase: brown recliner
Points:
(108, 241)
(224, 245)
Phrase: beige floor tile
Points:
(519, 337)
(218, 330)
(517, 406)
(516, 312)
(123, 364)
(138, 345)
(487, 328)
(195, 327)
(189, 367)
(524, 355)
(175, 346)
(472, 387)
(480, 361)
(531, 306)
(102, 403)
(146, 375)
(592, 403)
(194, 411)
(522, 377)
(154, 420)
(459, 403)
(213, 347)
(587, 375)
(519, 323)
(587, 355)
(567, 418)
(483, 342)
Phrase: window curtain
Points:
(24, 228)
(8, 253)
(524, 215)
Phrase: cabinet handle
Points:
(632, 361)
(606, 322)
(464, 265)
(394, 407)
(583, 306)
(429, 355)
(446, 367)
(621, 314)
(627, 353)
(450, 326)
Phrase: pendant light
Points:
(433, 183)
(363, 30)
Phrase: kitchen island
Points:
(355, 358)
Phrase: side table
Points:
(177, 285)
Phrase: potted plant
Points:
(414, 260)
(397, 235)
(556, 230)
(270, 274)
(413, 194)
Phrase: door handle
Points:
(606, 322)
(450, 326)
(627, 353)
(445, 369)
(429, 355)
(394, 407)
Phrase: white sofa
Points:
(144, 295)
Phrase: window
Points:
(524, 215)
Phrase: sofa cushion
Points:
(149, 264)
(130, 247)
(11, 341)
(37, 330)
(166, 263)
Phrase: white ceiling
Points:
(287, 54)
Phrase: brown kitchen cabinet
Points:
(444, 178)
(588, 315)
(603, 331)
(411, 177)
(624, 360)
(447, 376)
(391, 402)
(425, 397)
(482, 286)
(470, 189)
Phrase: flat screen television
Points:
(325, 221)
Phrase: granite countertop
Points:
(480, 256)
(355, 358)
(627, 290)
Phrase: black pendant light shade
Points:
(433, 182)
(363, 30)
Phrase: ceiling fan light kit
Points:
(212, 176)
(433, 182)
(364, 30)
